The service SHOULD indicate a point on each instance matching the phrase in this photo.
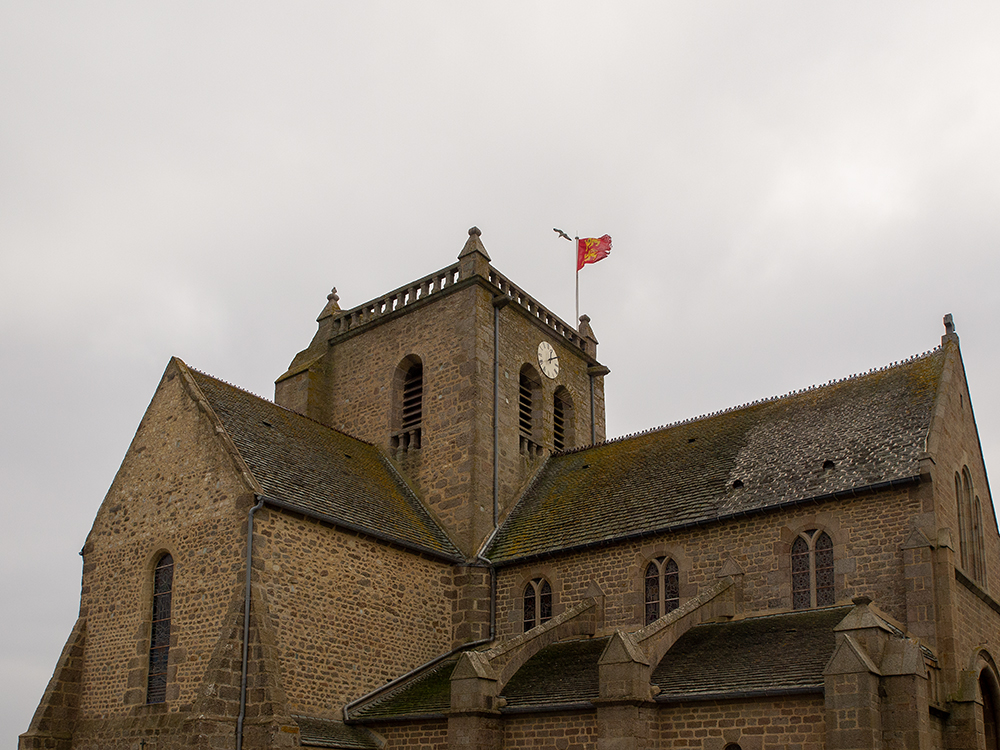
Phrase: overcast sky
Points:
(796, 192)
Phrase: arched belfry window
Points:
(662, 587)
(812, 570)
(972, 552)
(408, 407)
(537, 603)
(528, 406)
(159, 640)
(562, 420)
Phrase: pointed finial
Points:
(474, 247)
(332, 304)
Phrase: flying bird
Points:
(562, 234)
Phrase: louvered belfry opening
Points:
(562, 420)
(558, 424)
(524, 406)
(529, 387)
(413, 397)
(407, 435)
(159, 641)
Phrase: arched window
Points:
(408, 411)
(964, 524)
(159, 641)
(971, 544)
(812, 570)
(528, 395)
(537, 603)
(662, 588)
(988, 690)
(562, 420)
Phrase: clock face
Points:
(548, 360)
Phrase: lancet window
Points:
(159, 641)
(537, 603)
(662, 588)
(812, 570)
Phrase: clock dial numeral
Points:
(548, 360)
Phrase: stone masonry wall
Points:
(867, 532)
(416, 735)
(954, 444)
(519, 339)
(573, 730)
(349, 613)
(452, 333)
(176, 492)
(766, 724)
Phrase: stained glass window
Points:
(159, 641)
(812, 570)
(537, 603)
(661, 587)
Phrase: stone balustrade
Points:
(347, 320)
(395, 300)
(550, 319)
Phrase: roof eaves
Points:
(740, 694)
(759, 510)
(357, 529)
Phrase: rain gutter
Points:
(890, 484)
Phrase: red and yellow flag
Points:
(592, 249)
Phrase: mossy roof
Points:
(779, 653)
(425, 694)
(322, 472)
(334, 734)
(772, 653)
(872, 428)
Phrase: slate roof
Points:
(768, 654)
(561, 673)
(320, 471)
(334, 734)
(872, 427)
(425, 694)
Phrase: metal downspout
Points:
(246, 627)
(498, 302)
(593, 425)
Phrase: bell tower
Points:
(463, 379)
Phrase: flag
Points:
(592, 249)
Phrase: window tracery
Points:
(537, 603)
(662, 588)
(812, 570)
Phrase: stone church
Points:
(426, 541)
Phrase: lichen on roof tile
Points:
(320, 471)
(870, 428)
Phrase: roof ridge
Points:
(769, 399)
(277, 405)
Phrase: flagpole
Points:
(576, 263)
